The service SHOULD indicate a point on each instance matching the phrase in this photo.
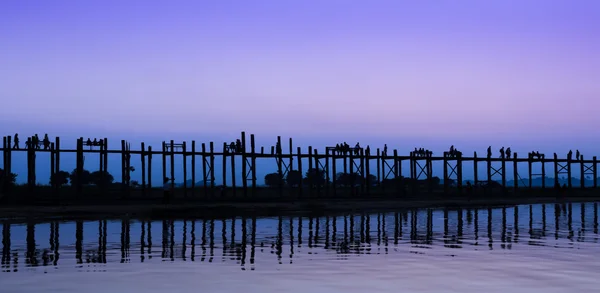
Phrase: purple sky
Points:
(411, 73)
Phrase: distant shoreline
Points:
(315, 207)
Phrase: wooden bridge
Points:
(359, 161)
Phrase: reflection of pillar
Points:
(31, 257)
(5, 245)
(79, 241)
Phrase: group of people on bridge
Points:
(33, 143)
(422, 153)
(453, 152)
(344, 149)
(95, 143)
(578, 155)
(234, 147)
(503, 153)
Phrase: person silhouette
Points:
(95, 142)
(89, 142)
(16, 145)
(385, 149)
(577, 155)
(36, 142)
(502, 152)
(368, 150)
(46, 142)
(570, 155)
(489, 152)
(508, 151)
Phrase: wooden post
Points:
(475, 163)
(79, 159)
(334, 171)
(327, 178)
(582, 165)
(204, 175)
(489, 169)
(300, 170)
(8, 169)
(515, 172)
(233, 189)
(184, 155)
(172, 161)
(291, 162)
(543, 160)
(316, 157)
(224, 170)
(150, 168)
(105, 165)
(253, 161)
(4, 161)
(164, 161)
(378, 159)
(396, 175)
(556, 182)
(143, 158)
(244, 167)
(446, 179)
(595, 171)
(504, 172)
(53, 176)
(193, 168)
(529, 168)
(57, 163)
(310, 167)
(569, 181)
(123, 167)
(279, 151)
(459, 171)
(212, 167)
(368, 172)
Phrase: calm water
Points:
(538, 248)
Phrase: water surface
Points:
(528, 248)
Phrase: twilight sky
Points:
(409, 73)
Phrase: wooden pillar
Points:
(334, 171)
(224, 170)
(446, 179)
(8, 169)
(367, 157)
(300, 170)
(515, 172)
(529, 168)
(184, 155)
(459, 171)
(193, 168)
(150, 168)
(396, 175)
(53, 176)
(489, 169)
(57, 162)
(164, 162)
(143, 161)
(504, 171)
(279, 153)
(582, 165)
(105, 164)
(316, 157)
(556, 181)
(327, 178)
(79, 163)
(253, 161)
(475, 169)
(310, 167)
(212, 167)
(204, 173)
(569, 181)
(543, 160)
(172, 161)
(378, 158)
(291, 159)
(233, 188)
(244, 166)
(595, 171)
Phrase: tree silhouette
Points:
(294, 178)
(61, 178)
(371, 179)
(315, 176)
(273, 179)
(12, 177)
(97, 179)
(85, 177)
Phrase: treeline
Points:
(317, 177)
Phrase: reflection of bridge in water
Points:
(242, 239)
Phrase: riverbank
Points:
(181, 210)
